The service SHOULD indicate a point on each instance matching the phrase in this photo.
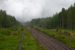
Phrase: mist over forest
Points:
(37, 25)
(26, 10)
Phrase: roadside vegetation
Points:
(30, 43)
(60, 26)
(10, 34)
(65, 36)
(9, 39)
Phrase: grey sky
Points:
(25, 10)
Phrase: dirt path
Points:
(47, 42)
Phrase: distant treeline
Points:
(7, 20)
(64, 19)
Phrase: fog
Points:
(25, 10)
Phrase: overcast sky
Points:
(26, 10)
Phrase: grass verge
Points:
(9, 40)
(67, 38)
(30, 43)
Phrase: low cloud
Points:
(25, 10)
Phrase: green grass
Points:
(30, 43)
(9, 40)
(69, 40)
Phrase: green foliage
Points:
(40, 22)
(30, 43)
(68, 40)
(64, 19)
(9, 39)
(7, 20)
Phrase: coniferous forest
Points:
(60, 26)
(7, 20)
(12, 32)
(55, 32)
(64, 19)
